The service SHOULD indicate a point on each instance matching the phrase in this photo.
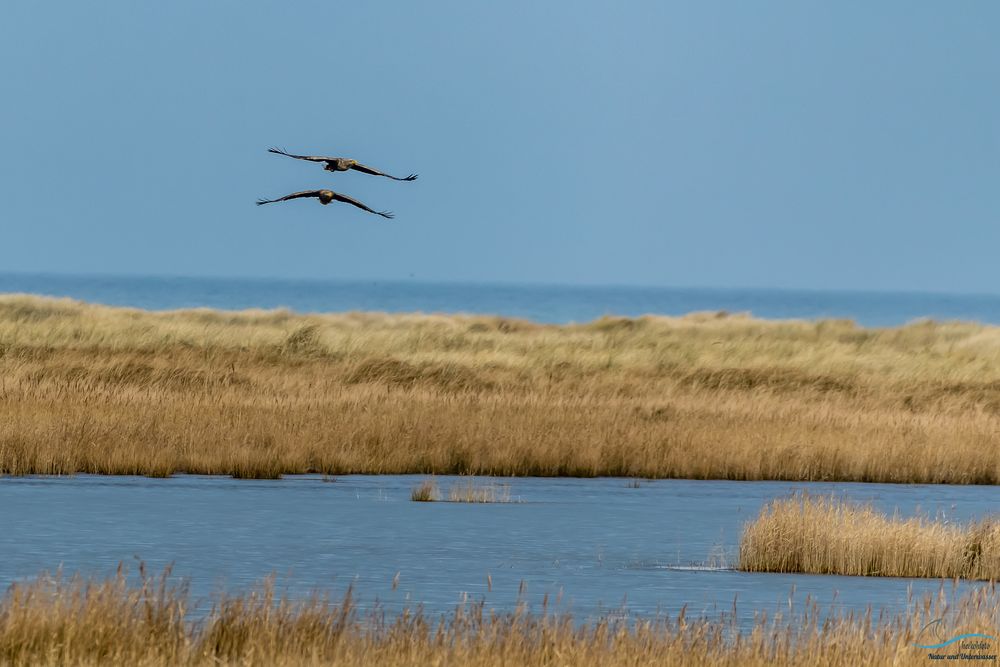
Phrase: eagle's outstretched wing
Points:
(375, 172)
(294, 195)
(311, 158)
(355, 202)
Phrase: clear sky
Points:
(780, 144)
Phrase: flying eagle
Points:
(325, 197)
(341, 164)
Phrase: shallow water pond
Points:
(594, 546)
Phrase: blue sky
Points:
(849, 145)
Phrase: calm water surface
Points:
(605, 547)
(536, 302)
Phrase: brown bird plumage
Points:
(325, 197)
(341, 164)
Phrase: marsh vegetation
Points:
(149, 620)
(258, 394)
(425, 492)
(464, 491)
(827, 535)
(471, 492)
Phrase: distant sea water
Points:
(541, 303)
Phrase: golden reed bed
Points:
(825, 535)
(85, 388)
(147, 621)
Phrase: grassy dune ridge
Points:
(827, 535)
(86, 388)
(148, 621)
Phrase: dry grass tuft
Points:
(427, 492)
(470, 492)
(148, 621)
(824, 535)
(259, 394)
(390, 371)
